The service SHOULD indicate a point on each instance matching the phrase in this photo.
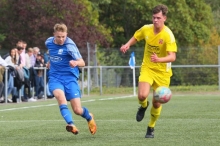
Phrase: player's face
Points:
(60, 37)
(158, 20)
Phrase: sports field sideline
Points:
(187, 120)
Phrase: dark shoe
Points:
(150, 132)
(14, 99)
(72, 128)
(40, 95)
(141, 112)
(50, 97)
(23, 99)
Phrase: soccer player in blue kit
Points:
(65, 60)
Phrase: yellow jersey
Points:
(160, 44)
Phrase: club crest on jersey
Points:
(160, 41)
(60, 51)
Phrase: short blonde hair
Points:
(30, 49)
(60, 27)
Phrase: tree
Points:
(215, 5)
(33, 21)
(123, 18)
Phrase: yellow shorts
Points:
(155, 79)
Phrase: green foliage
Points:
(2, 38)
(215, 5)
(33, 22)
(206, 54)
(123, 18)
(189, 20)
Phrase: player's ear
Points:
(165, 18)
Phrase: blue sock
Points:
(66, 114)
(86, 114)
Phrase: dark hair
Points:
(13, 59)
(19, 48)
(159, 8)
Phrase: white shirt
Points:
(3, 62)
(27, 61)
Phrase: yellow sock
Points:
(155, 113)
(143, 103)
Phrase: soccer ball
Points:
(162, 94)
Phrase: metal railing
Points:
(100, 76)
(19, 92)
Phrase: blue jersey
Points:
(60, 55)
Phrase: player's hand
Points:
(154, 58)
(124, 48)
(48, 65)
(73, 63)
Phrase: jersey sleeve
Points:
(139, 34)
(73, 50)
(171, 43)
(49, 41)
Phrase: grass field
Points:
(187, 120)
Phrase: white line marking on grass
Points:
(111, 98)
(26, 107)
(116, 120)
(90, 100)
(62, 121)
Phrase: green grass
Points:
(190, 120)
(129, 90)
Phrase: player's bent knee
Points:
(142, 97)
(78, 111)
(156, 104)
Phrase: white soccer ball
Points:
(162, 94)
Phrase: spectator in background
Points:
(13, 58)
(12, 61)
(46, 57)
(28, 58)
(23, 45)
(46, 60)
(3, 64)
(20, 51)
(28, 81)
(33, 57)
(2, 70)
(39, 80)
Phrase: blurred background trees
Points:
(111, 23)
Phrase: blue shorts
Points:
(69, 85)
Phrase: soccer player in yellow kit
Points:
(160, 51)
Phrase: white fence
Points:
(99, 76)
(116, 76)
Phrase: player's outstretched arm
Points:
(125, 47)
